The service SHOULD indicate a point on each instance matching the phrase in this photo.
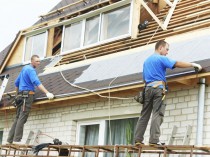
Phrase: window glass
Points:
(116, 23)
(28, 49)
(91, 30)
(35, 45)
(72, 36)
(122, 131)
(89, 136)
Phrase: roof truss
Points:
(162, 24)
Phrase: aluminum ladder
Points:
(4, 79)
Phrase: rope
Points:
(89, 90)
(153, 35)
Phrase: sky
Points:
(16, 15)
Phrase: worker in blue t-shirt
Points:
(25, 85)
(154, 71)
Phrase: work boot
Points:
(8, 143)
(157, 144)
(18, 143)
(138, 143)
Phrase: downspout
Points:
(200, 114)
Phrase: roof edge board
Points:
(11, 50)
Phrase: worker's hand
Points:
(50, 95)
(198, 66)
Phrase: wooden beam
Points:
(169, 3)
(153, 15)
(136, 11)
(50, 41)
(185, 82)
(170, 13)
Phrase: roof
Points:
(119, 64)
(3, 54)
(68, 10)
(123, 68)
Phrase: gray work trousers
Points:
(22, 113)
(154, 104)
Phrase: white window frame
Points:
(99, 31)
(92, 14)
(45, 45)
(102, 126)
(118, 37)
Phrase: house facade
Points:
(92, 56)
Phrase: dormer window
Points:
(102, 27)
(72, 36)
(115, 23)
(91, 31)
(35, 45)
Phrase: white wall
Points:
(61, 123)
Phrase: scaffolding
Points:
(115, 150)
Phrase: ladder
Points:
(32, 138)
(4, 79)
(185, 137)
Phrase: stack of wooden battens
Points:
(188, 16)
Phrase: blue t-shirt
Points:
(155, 66)
(27, 79)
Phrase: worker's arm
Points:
(43, 89)
(180, 64)
(48, 94)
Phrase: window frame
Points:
(103, 125)
(99, 12)
(25, 44)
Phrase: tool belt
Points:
(21, 96)
(26, 92)
(156, 84)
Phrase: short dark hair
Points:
(34, 56)
(160, 43)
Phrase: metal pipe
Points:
(200, 114)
